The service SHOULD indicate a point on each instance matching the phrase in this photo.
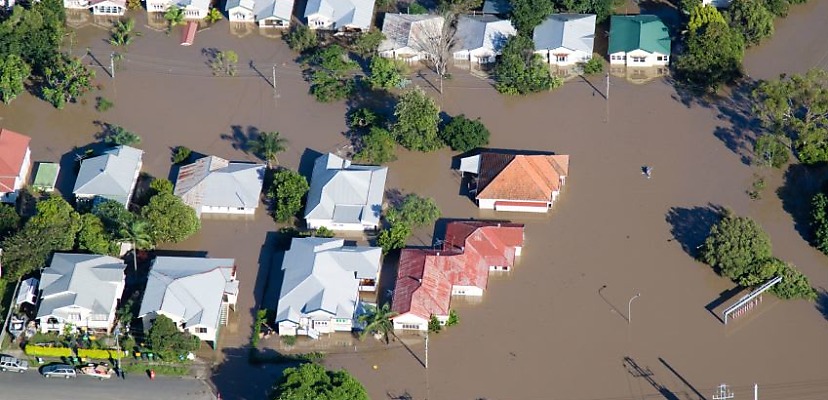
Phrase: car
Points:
(13, 364)
(59, 370)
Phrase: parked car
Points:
(59, 371)
(13, 364)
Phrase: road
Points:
(33, 385)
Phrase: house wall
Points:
(107, 9)
(316, 21)
(489, 204)
(410, 322)
(157, 5)
(639, 58)
(572, 56)
(240, 14)
(405, 54)
(287, 328)
(316, 223)
(76, 4)
(87, 320)
(203, 332)
(193, 13)
(274, 23)
(459, 290)
(22, 176)
(319, 323)
(227, 210)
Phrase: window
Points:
(342, 320)
(201, 330)
(659, 58)
(561, 58)
(619, 57)
(411, 326)
(639, 59)
(74, 317)
(240, 208)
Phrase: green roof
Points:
(633, 32)
(46, 176)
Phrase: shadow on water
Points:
(637, 371)
(741, 126)
(822, 302)
(724, 297)
(306, 161)
(235, 379)
(801, 184)
(690, 226)
(240, 137)
(699, 396)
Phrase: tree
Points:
(366, 43)
(66, 81)
(169, 219)
(435, 39)
(136, 232)
(181, 154)
(687, 6)
(414, 211)
(704, 15)
(168, 342)
(377, 320)
(601, 8)
(458, 6)
(415, 8)
(735, 245)
(213, 16)
(463, 134)
(117, 135)
(393, 238)
(174, 16)
(9, 220)
(301, 38)
(323, 232)
(713, 56)
(434, 325)
(384, 73)
(286, 193)
(796, 107)
(328, 73)
(520, 71)
(771, 150)
(453, 318)
(113, 215)
(376, 147)
(55, 212)
(161, 185)
(94, 238)
(122, 33)
(819, 221)
(594, 66)
(13, 74)
(224, 62)
(267, 146)
(751, 19)
(778, 7)
(332, 58)
(327, 87)
(527, 14)
(312, 381)
(794, 284)
(363, 118)
(417, 122)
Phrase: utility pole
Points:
(426, 350)
(273, 80)
(723, 393)
(606, 92)
(112, 65)
(755, 391)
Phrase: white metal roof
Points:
(111, 175)
(486, 31)
(216, 182)
(89, 281)
(571, 31)
(409, 30)
(344, 13)
(344, 192)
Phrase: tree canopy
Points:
(819, 221)
(384, 73)
(377, 320)
(286, 193)
(414, 211)
(117, 135)
(520, 71)
(94, 238)
(301, 38)
(527, 14)
(601, 8)
(366, 43)
(66, 81)
(13, 74)
(393, 238)
(463, 134)
(713, 54)
(9, 220)
(312, 381)
(751, 19)
(417, 121)
(169, 219)
(328, 73)
(267, 146)
(168, 342)
(376, 147)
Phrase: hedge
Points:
(98, 354)
(43, 351)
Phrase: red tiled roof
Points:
(13, 148)
(521, 177)
(469, 249)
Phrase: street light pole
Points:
(629, 308)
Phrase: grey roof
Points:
(501, 7)
(263, 9)
(486, 31)
(111, 175)
(344, 192)
(321, 275)
(572, 31)
(344, 13)
(190, 289)
(406, 30)
(89, 281)
(216, 182)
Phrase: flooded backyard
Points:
(547, 330)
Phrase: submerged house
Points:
(265, 13)
(214, 185)
(98, 7)
(15, 164)
(565, 39)
(192, 9)
(410, 37)
(109, 176)
(339, 15)
(638, 41)
(480, 39)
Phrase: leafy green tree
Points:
(601, 8)
(113, 215)
(819, 221)
(103, 104)
(122, 33)
(328, 73)
(415, 8)
(796, 107)
(704, 15)
(393, 238)
(366, 43)
(66, 81)
(333, 58)
(136, 232)
(520, 71)
(377, 320)
(794, 284)
(594, 66)
(169, 219)
(527, 14)
(35, 33)
(301, 38)
(363, 118)
(224, 63)
(117, 135)
(463, 134)
(327, 87)
(94, 238)
(771, 150)
(457, 7)
(9, 220)
(751, 19)
(267, 146)
(376, 147)
(213, 16)
(418, 117)
(168, 342)
(414, 211)
(735, 245)
(687, 6)
(181, 154)
(174, 16)
(161, 185)
(778, 7)
(286, 193)
(56, 212)
(434, 325)
(312, 381)
(384, 73)
(13, 74)
(453, 318)
(714, 56)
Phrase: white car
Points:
(59, 371)
(9, 363)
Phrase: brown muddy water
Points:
(545, 331)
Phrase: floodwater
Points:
(545, 331)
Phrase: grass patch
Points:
(103, 104)
(160, 369)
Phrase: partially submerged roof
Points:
(264, 9)
(345, 193)
(46, 175)
(89, 281)
(421, 289)
(215, 182)
(320, 275)
(344, 13)
(13, 149)
(520, 177)
(634, 32)
(111, 175)
(190, 289)
(485, 31)
(409, 30)
(571, 31)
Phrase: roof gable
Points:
(571, 31)
(215, 182)
(357, 13)
(521, 177)
(634, 32)
(13, 150)
(88, 281)
(344, 192)
(487, 31)
(111, 175)
(409, 30)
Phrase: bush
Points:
(301, 38)
(377, 147)
(289, 340)
(453, 318)
(434, 325)
(181, 154)
(771, 150)
(103, 104)
(819, 221)
(417, 8)
(323, 232)
(42, 351)
(98, 354)
(594, 66)
(286, 193)
(463, 134)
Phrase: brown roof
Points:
(521, 177)
(189, 33)
(13, 148)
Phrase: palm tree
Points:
(122, 34)
(137, 233)
(267, 145)
(213, 16)
(378, 320)
(174, 15)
